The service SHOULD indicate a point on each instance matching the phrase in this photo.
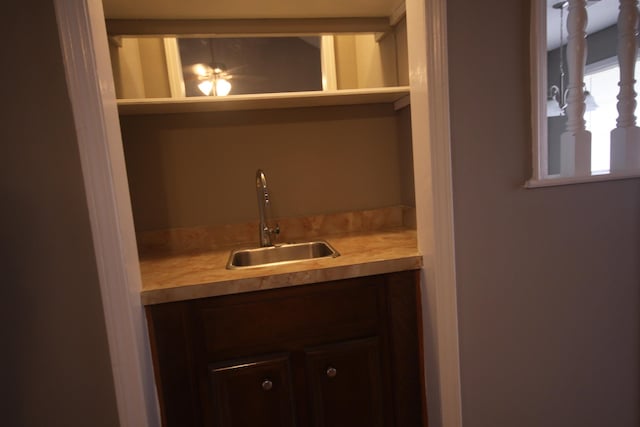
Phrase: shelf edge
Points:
(263, 101)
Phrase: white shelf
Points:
(391, 95)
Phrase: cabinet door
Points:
(345, 382)
(254, 393)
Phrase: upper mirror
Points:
(178, 67)
(245, 65)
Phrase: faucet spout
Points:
(267, 234)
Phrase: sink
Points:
(280, 254)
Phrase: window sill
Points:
(556, 180)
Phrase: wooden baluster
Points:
(575, 142)
(625, 138)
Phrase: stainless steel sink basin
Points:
(280, 254)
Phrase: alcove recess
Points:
(191, 162)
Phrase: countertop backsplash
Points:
(191, 239)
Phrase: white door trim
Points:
(429, 84)
(83, 40)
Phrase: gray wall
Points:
(548, 278)
(55, 360)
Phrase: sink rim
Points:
(231, 266)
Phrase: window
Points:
(601, 80)
(564, 157)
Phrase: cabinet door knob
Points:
(267, 385)
(332, 372)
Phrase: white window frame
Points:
(539, 89)
(176, 79)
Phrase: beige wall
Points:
(370, 59)
(346, 65)
(199, 169)
(55, 359)
(127, 68)
(364, 62)
(154, 67)
(548, 279)
(139, 67)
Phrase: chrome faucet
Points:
(267, 235)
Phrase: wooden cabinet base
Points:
(342, 353)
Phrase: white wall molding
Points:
(85, 50)
(428, 73)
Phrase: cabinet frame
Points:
(383, 307)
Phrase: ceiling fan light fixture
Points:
(205, 86)
(589, 101)
(223, 87)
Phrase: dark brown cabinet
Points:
(345, 384)
(342, 353)
(254, 392)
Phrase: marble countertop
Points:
(199, 274)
